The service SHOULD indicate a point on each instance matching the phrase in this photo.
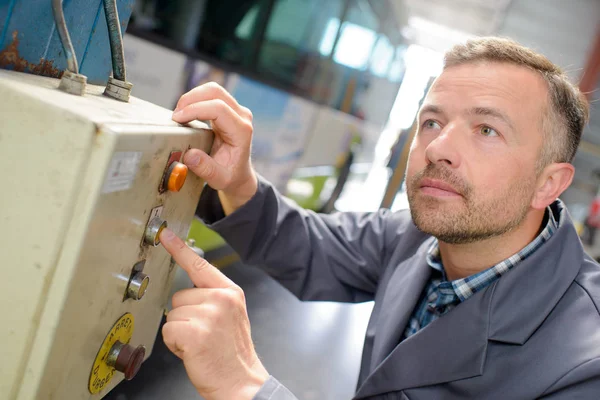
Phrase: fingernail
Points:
(192, 160)
(166, 234)
(177, 114)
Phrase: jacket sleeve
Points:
(272, 389)
(582, 383)
(337, 257)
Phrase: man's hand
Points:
(228, 167)
(209, 330)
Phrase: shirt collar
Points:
(466, 287)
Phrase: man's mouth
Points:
(438, 188)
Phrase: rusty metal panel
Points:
(29, 41)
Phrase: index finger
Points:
(209, 91)
(202, 274)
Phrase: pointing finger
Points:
(202, 274)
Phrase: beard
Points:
(474, 220)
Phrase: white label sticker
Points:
(121, 171)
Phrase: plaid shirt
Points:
(440, 296)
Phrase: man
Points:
(482, 289)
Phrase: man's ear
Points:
(553, 181)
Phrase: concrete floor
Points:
(313, 348)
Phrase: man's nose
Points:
(446, 146)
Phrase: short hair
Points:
(568, 112)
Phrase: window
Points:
(232, 29)
(328, 51)
(396, 72)
(354, 46)
(328, 39)
(299, 35)
(382, 57)
(246, 27)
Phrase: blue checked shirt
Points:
(440, 296)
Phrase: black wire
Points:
(63, 33)
(116, 39)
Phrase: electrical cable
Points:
(63, 33)
(116, 39)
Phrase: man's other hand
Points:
(208, 328)
(227, 168)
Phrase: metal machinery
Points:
(88, 183)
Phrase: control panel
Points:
(84, 280)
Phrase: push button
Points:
(126, 359)
(176, 175)
(138, 285)
(153, 230)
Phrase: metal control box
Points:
(81, 179)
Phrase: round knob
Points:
(126, 359)
(176, 176)
(138, 285)
(152, 234)
(192, 245)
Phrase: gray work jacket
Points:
(533, 333)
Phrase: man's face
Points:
(472, 168)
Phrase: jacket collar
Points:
(397, 305)
(537, 284)
(455, 346)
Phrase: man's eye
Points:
(431, 124)
(487, 131)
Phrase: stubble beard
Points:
(467, 219)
